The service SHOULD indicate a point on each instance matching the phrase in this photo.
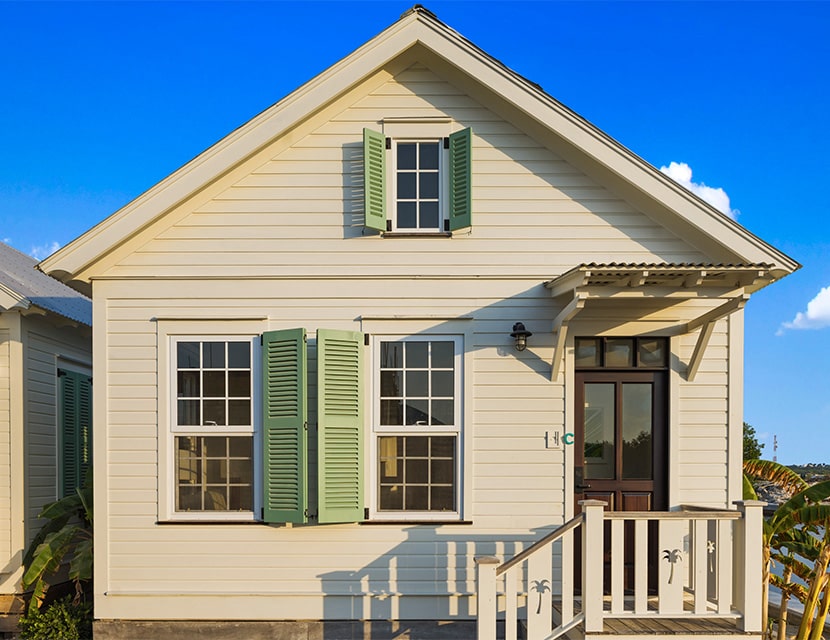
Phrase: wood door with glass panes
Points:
(621, 430)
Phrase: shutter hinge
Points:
(446, 225)
(365, 339)
(305, 426)
(446, 143)
(262, 513)
(365, 513)
(261, 339)
(389, 225)
(388, 143)
(61, 373)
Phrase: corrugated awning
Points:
(729, 285)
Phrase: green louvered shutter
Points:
(461, 202)
(68, 424)
(84, 427)
(75, 415)
(285, 435)
(374, 179)
(340, 433)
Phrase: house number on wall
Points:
(554, 441)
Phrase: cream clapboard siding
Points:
(301, 211)
(46, 347)
(5, 449)
(280, 242)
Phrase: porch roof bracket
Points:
(707, 323)
(560, 328)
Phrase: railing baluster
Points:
(723, 551)
(672, 561)
(511, 604)
(539, 604)
(640, 567)
(701, 565)
(567, 552)
(617, 565)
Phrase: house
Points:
(45, 407)
(418, 313)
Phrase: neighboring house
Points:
(309, 402)
(45, 404)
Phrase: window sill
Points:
(416, 234)
(414, 522)
(207, 521)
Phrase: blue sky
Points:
(102, 100)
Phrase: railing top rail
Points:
(551, 537)
(672, 515)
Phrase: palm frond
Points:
(778, 474)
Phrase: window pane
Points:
(417, 384)
(406, 155)
(213, 355)
(189, 499)
(239, 355)
(239, 472)
(417, 355)
(442, 412)
(239, 412)
(217, 446)
(391, 355)
(586, 352)
(443, 355)
(216, 471)
(216, 499)
(417, 446)
(391, 384)
(417, 498)
(240, 446)
(429, 155)
(188, 384)
(428, 186)
(407, 215)
(442, 499)
(443, 471)
(407, 185)
(417, 412)
(599, 431)
(636, 431)
(391, 497)
(241, 498)
(652, 352)
(428, 215)
(391, 412)
(187, 355)
(619, 352)
(214, 384)
(214, 413)
(417, 470)
(443, 384)
(443, 447)
(188, 412)
(239, 384)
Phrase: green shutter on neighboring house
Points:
(374, 179)
(285, 424)
(340, 418)
(461, 203)
(75, 429)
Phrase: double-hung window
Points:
(417, 426)
(417, 184)
(213, 425)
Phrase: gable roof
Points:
(23, 286)
(421, 36)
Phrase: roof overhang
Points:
(726, 288)
(10, 299)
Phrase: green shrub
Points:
(61, 620)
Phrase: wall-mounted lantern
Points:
(520, 335)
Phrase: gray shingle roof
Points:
(18, 273)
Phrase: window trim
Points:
(375, 430)
(169, 332)
(443, 189)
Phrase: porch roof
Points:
(727, 285)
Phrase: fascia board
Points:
(77, 256)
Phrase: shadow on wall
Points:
(421, 588)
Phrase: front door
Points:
(620, 439)
(621, 433)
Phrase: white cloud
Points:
(42, 251)
(681, 173)
(817, 315)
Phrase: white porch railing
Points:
(709, 566)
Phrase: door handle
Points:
(583, 486)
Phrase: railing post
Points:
(592, 560)
(751, 541)
(486, 587)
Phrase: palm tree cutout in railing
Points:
(673, 556)
(540, 587)
(710, 549)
